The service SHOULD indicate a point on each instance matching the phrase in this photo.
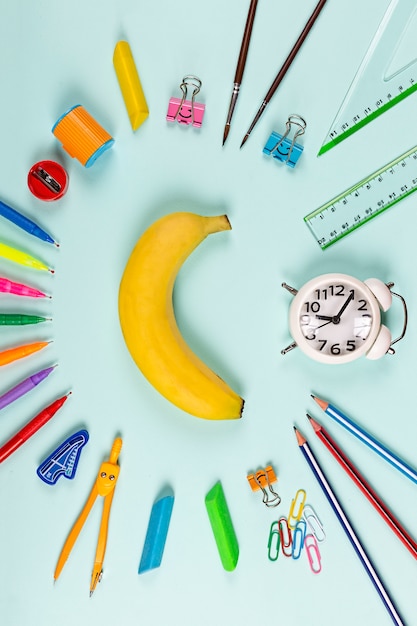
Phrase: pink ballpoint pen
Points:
(18, 289)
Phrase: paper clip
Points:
(313, 553)
(285, 536)
(263, 480)
(187, 111)
(314, 523)
(298, 538)
(274, 541)
(280, 146)
(296, 508)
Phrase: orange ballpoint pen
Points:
(13, 354)
(104, 486)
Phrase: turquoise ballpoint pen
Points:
(25, 223)
(367, 439)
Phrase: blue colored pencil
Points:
(366, 438)
(25, 223)
(347, 527)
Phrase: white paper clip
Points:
(314, 523)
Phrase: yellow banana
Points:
(147, 317)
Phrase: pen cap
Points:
(81, 136)
(130, 84)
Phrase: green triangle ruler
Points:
(384, 78)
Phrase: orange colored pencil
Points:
(13, 354)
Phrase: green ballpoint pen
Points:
(20, 319)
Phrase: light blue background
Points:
(230, 307)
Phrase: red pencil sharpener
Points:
(47, 180)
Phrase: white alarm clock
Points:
(336, 318)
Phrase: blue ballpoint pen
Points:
(367, 439)
(25, 223)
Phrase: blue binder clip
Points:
(281, 147)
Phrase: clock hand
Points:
(325, 324)
(336, 318)
(325, 317)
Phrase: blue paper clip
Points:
(156, 534)
(64, 460)
(298, 537)
(281, 148)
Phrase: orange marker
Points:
(13, 354)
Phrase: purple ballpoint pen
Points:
(23, 387)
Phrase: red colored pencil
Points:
(31, 428)
(364, 486)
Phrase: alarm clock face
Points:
(334, 318)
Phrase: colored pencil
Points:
(25, 223)
(240, 68)
(285, 67)
(366, 438)
(364, 486)
(23, 387)
(347, 527)
(31, 428)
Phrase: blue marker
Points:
(25, 223)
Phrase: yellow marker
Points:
(130, 84)
(17, 256)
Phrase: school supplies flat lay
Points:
(162, 180)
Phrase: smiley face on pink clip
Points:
(182, 112)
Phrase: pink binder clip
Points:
(187, 111)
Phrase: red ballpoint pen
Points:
(31, 428)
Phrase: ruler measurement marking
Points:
(373, 92)
(358, 122)
(345, 205)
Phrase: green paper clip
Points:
(222, 526)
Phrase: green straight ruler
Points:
(386, 75)
(365, 200)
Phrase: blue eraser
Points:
(156, 534)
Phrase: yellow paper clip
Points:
(262, 480)
(104, 486)
(130, 84)
(296, 508)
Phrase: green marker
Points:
(222, 526)
(20, 319)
